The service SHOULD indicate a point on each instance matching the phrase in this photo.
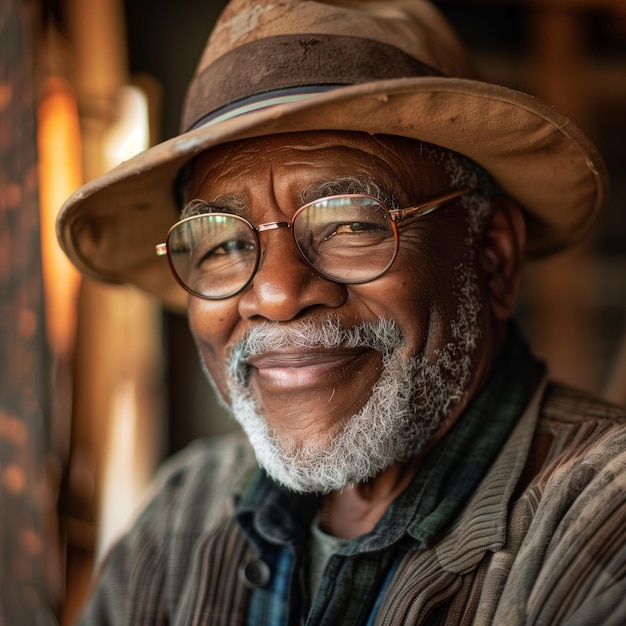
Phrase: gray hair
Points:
(464, 172)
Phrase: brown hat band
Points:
(288, 62)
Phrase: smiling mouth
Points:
(298, 370)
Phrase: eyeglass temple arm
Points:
(427, 207)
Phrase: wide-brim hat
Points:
(381, 67)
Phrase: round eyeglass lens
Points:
(349, 239)
(213, 255)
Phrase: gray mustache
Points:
(383, 335)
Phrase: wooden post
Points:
(27, 521)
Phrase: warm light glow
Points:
(124, 479)
(60, 173)
(130, 134)
(127, 463)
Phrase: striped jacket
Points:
(542, 540)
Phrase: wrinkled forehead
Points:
(408, 163)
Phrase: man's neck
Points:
(356, 509)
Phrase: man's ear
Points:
(501, 253)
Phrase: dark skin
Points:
(308, 397)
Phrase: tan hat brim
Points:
(110, 226)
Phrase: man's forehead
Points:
(325, 156)
(313, 141)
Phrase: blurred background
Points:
(98, 384)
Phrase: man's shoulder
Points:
(222, 454)
(567, 405)
(578, 438)
(566, 526)
(189, 503)
(195, 486)
(577, 424)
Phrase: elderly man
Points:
(350, 210)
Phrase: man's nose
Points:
(284, 285)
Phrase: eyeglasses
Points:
(348, 238)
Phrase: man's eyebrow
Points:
(227, 203)
(348, 185)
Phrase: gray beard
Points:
(408, 404)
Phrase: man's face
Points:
(326, 360)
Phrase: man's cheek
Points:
(214, 369)
(219, 374)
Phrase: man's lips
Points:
(302, 369)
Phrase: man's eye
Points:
(231, 246)
(356, 227)
(212, 256)
(349, 228)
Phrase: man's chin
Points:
(327, 463)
